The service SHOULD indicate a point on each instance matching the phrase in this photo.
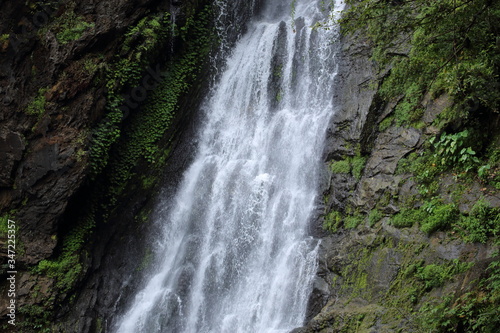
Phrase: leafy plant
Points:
(473, 311)
(482, 222)
(407, 217)
(451, 150)
(435, 275)
(440, 217)
(73, 30)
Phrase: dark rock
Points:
(12, 146)
(279, 54)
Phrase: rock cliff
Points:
(375, 275)
(77, 79)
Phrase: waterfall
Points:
(234, 252)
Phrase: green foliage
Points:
(149, 126)
(67, 27)
(343, 166)
(40, 318)
(407, 217)
(441, 217)
(385, 124)
(490, 171)
(452, 150)
(4, 39)
(332, 221)
(4, 225)
(354, 165)
(475, 311)
(432, 216)
(73, 29)
(358, 165)
(421, 165)
(37, 106)
(408, 110)
(91, 65)
(352, 221)
(293, 6)
(66, 268)
(144, 36)
(436, 275)
(482, 222)
(374, 216)
(140, 42)
(442, 46)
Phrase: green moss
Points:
(332, 221)
(67, 268)
(385, 124)
(40, 318)
(148, 182)
(441, 218)
(482, 222)
(436, 275)
(474, 311)
(350, 165)
(407, 217)
(374, 216)
(4, 225)
(355, 275)
(37, 106)
(358, 165)
(353, 221)
(4, 39)
(278, 71)
(343, 166)
(73, 30)
(408, 111)
(67, 27)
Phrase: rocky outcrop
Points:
(54, 59)
(51, 99)
(366, 279)
(367, 273)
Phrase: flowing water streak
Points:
(236, 255)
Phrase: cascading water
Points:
(235, 252)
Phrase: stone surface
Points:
(11, 151)
(363, 267)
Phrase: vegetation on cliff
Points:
(439, 67)
(143, 86)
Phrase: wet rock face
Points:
(275, 81)
(49, 102)
(362, 267)
(11, 151)
(51, 95)
(355, 73)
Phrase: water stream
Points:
(235, 255)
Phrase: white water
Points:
(235, 254)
